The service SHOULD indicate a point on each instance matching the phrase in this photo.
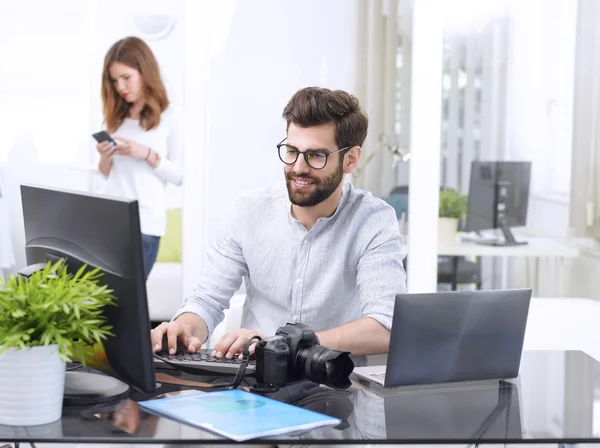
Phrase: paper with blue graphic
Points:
(237, 414)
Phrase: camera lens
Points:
(326, 366)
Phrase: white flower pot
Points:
(447, 228)
(32, 383)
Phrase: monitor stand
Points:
(509, 238)
(85, 389)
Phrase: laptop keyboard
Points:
(203, 362)
(378, 376)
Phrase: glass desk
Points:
(555, 399)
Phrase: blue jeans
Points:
(150, 249)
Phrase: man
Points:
(323, 253)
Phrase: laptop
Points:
(454, 336)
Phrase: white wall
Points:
(261, 54)
(539, 124)
(272, 50)
(548, 215)
(44, 99)
(539, 103)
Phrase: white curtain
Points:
(376, 90)
(7, 255)
(585, 174)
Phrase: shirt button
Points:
(298, 281)
(305, 242)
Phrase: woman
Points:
(148, 150)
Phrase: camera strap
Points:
(239, 376)
(245, 360)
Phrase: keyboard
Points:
(202, 361)
(378, 377)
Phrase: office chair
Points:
(401, 189)
(459, 271)
(452, 270)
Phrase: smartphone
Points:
(103, 136)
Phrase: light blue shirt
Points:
(348, 266)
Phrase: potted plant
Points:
(46, 320)
(453, 207)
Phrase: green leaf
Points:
(54, 307)
(452, 204)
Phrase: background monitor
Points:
(498, 198)
(103, 233)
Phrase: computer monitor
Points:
(103, 233)
(498, 198)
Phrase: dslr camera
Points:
(294, 354)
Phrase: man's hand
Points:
(232, 344)
(175, 331)
(365, 336)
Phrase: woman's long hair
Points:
(134, 53)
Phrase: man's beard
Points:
(323, 188)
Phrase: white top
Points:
(135, 179)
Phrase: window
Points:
(45, 79)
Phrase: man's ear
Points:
(352, 159)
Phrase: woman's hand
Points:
(106, 149)
(127, 147)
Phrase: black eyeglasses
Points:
(315, 158)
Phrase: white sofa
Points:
(164, 291)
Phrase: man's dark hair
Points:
(313, 106)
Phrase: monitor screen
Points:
(498, 195)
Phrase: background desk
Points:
(552, 401)
(536, 247)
